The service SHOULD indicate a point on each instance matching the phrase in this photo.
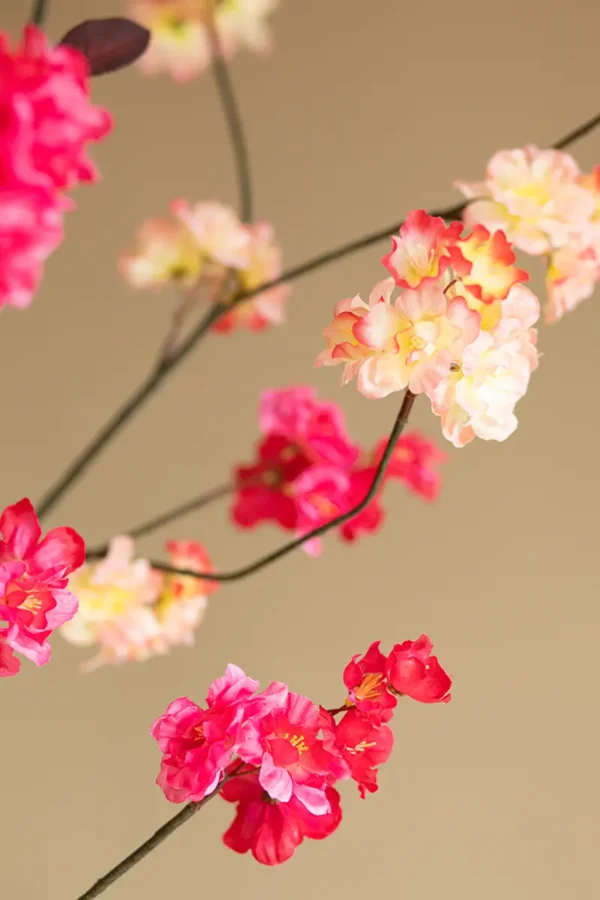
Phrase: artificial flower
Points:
(132, 612)
(9, 663)
(411, 670)
(198, 744)
(181, 44)
(366, 682)
(424, 250)
(270, 830)
(533, 195)
(363, 745)
(572, 275)
(34, 574)
(292, 757)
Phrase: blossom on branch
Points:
(279, 756)
(132, 612)
(46, 123)
(307, 469)
(180, 44)
(34, 573)
(545, 206)
(206, 246)
(463, 337)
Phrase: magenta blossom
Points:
(33, 577)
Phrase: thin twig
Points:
(39, 12)
(152, 843)
(263, 561)
(184, 305)
(197, 502)
(234, 122)
(156, 378)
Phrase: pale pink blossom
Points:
(572, 276)
(491, 272)
(532, 195)
(180, 43)
(424, 250)
(166, 252)
(217, 231)
(477, 398)
(263, 264)
(411, 342)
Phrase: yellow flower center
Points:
(297, 741)
(369, 687)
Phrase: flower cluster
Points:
(132, 612)
(203, 245)
(181, 44)
(34, 571)
(278, 755)
(460, 330)
(308, 471)
(46, 121)
(546, 207)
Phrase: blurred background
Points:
(364, 111)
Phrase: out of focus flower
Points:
(262, 266)
(413, 671)
(132, 612)
(181, 44)
(545, 205)
(308, 471)
(270, 830)
(9, 663)
(34, 574)
(46, 123)
(532, 195)
(207, 245)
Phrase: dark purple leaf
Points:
(108, 44)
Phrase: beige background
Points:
(365, 110)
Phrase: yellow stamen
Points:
(297, 741)
(369, 687)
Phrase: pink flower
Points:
(46, 115)
(9, 663)
(410, 343)
(532, 195)
(292, 757)
(166, 252)
(415, 462)
(219, 235)
(477, 399)
(364, 745)
(180, 44)
(366, 682)
(316, 427)
(413, 671)
(573, 273)
(321, 494)
(263, 265)
(491, 272)
(33, 579)
(272, 830)
(31, 228)
(198, 744)
(424, 250)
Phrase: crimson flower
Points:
(366, 682)
(9, 663)
(293, 758)
(34, 574)
(272, 830)
(363, 745)
(412, 670)
(198, 744)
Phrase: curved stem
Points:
(234, 122)
(264, 561)
(156, 377)
(39, 12)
